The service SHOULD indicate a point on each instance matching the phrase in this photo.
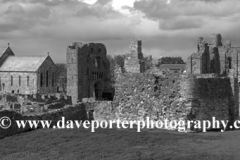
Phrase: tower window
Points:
(27, 80)
(11, 80)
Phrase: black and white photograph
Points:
(119, 79)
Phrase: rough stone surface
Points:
(88, 72)
(134, 60)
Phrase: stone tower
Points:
(88, 71)
(72, 71)
(134, 59)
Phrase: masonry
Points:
(88, 71)
(27, 74)
(212, 81)
(134, 60)
(208, 89)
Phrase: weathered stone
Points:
(88, 71)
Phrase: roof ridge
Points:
(31, 56)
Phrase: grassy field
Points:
(119, 144)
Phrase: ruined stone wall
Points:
(72, 72)
(174, 97)
(134, 60)
(138, 96)
(217, 56)
(210, 96)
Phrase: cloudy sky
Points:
(166, 27)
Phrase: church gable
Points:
(47, 63)
(6, 53)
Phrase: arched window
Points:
(47, 79)
(229, 62)
(52, 79)
(41, 79)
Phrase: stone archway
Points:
(98, 90)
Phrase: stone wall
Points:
(140, 95)
(217, 56)
(49, 78)
(22, 82)
(174, 97)
(76, 112)
(88, 73)
(134, 60)
(210, 96)
(8, 52)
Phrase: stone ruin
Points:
(33, 104)
(134, 61)
(88, 72)
(217, 57)
(209, 88)
(211, 82)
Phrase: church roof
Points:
(22, 63)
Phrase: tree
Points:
(170, 60)
(119, 60)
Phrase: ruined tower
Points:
(134, 59)
(87, 71)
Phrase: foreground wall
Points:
(78, 112)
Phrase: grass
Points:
(119, 144)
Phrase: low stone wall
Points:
(77, 112)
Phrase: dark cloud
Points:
(17, 18)
(45, 2)
(103, 2)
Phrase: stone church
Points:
(88, 71)
(26, 74)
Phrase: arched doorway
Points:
(98, 90)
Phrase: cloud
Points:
(16, 17)
(104, 2)
(181, 23)
(170, 13)
(45, 2)
(97, 10)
